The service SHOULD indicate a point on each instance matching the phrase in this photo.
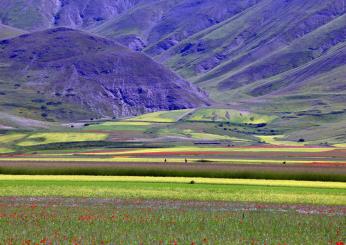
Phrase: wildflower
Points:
(43, 241)
(85, 218)
(340, 243)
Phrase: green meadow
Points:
(186, 189)
(92, 222)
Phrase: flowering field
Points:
(109, 221)
(185, 189)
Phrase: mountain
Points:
(251, 53)
(244, 50)
(69, 74)
(159, 25)
(269, 39)
(43, 14)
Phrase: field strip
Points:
(257, 182)
(174, 191)
(161, 160)
(217, 149)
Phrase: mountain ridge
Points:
(238, 51)
(99, 75)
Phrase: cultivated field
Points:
(189, 189)
(260, 162)
(185, 177)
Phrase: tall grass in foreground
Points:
(51, 223)
(162, 171)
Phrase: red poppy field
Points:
(110, 221)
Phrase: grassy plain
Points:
(181, 180)
(60, 137)
(294, 193)
(162, 117)
(228, 115)
(120, 126)
(80, 221)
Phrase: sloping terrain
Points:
(43, 14)
(9, 32)
(278, 36)
(257, 53)
(160, 25)
(234, 49)
(68, 74)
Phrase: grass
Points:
(217, 149)
(120, 126)
(162, 116)
(81, 223)
(182, 180)
(228, 115)
(276, 140)
(208, 136)
(7, 142)
(174, 191)
(9, 138)
(61, 137)
(5, 150)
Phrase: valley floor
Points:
(171, 178)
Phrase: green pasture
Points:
(120, 126)
(208, 136)
(162, 116)
(5, 150)
(87, 222)
(181, 180)
(182, 149)
(9, 138)
(32, 139)
(48, 138)
(278, 140)
(228, 115)
(174, 191)
(207, 124)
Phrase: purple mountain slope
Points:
(43, 14)
(236, 50)
(97, 74)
